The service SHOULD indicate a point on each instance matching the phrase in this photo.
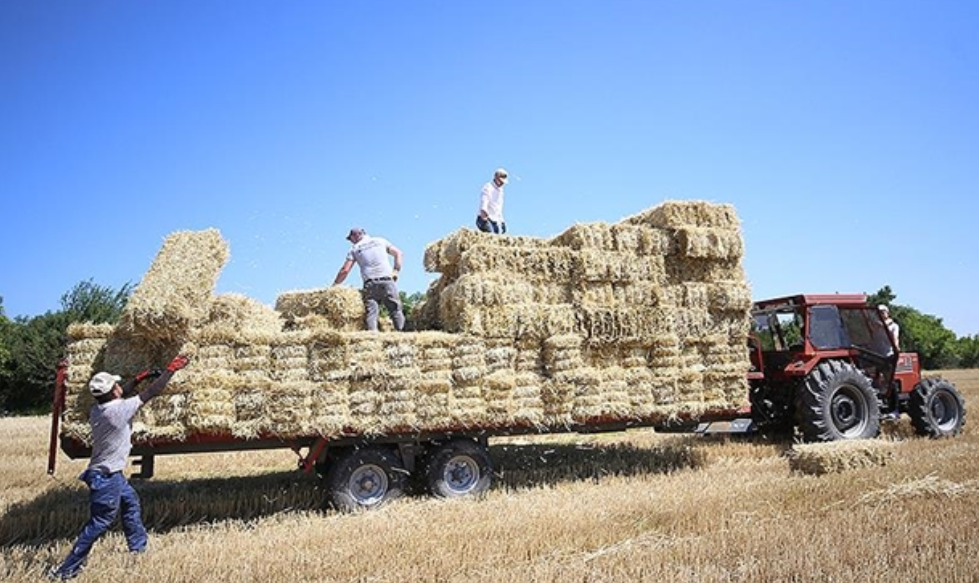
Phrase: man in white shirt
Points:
(489, 219)
(892, 327)
(380, 280)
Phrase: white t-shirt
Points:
(491, 201)
(371, 255)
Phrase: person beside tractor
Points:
(892, 327)
(380, 279)
(489, 218)
(110, 493)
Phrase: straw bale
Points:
(676, 214)
(709, 243)
(210, 410)
(541, 263)
(597, 236)
(624, 237)
(84, 350)
(174, 294)
(490, 289)
(529, 355)
(513, 321)
(338, 307)
(840, 456)
(445, 255)
(624, 323)
(88, 331)
(593, 265)
(329, 407)
(467, 405)
(289, 408)
(633, 294)
(561, 353)
(729, 296)
(688, 269)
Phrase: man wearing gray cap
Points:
(380, 280)
(489, 218)
(110, 493)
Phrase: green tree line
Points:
(31, 347)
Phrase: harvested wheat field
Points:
(633, 506)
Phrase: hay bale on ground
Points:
(840, 456)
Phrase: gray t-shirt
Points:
(371, 254)
(112, 429)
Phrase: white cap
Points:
(883, 308)
(102, 383)
(502, 174)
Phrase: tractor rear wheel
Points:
(838, 402)
(363, 478)
(936, 408)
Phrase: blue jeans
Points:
(108, 494)
(488, 226)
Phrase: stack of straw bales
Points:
(640, 320)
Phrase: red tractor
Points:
(827, 365)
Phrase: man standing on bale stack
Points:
(380, 280)
(489, 218)
(111, 419)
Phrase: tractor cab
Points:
(795, 333)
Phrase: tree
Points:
(936, 345)
(6, 335)
(35, 345)
(968, 349)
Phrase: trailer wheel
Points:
(839, 402)
(936, 408)
(458, 468)
(365, 478)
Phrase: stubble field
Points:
(633, 506)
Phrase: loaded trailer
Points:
(604, 327)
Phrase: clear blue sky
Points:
(845, 133)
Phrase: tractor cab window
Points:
(826, 328)
(779, 330)
(867, 331)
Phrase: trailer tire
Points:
(838, 402)
(936, 408)
(364, 478)
(458, 468)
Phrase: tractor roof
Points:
(848, 300)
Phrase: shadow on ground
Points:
(60, 512)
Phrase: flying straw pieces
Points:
(644, 319)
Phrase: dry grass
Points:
(634, 506)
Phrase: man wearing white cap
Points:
(110, 493)
(489, 219)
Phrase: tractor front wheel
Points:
(936, 408)
(838, 402)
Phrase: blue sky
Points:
(846, 134)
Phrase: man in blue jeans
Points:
(111, 419)
(489, 218)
